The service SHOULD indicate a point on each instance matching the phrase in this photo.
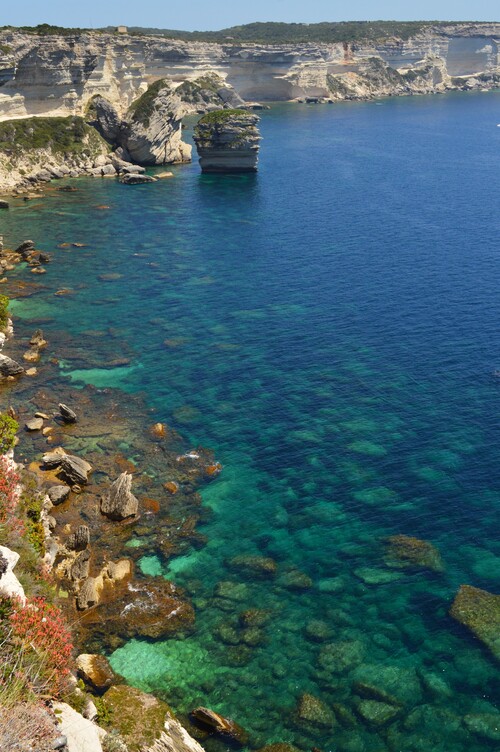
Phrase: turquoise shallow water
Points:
(330, 328)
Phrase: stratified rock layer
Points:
(228, 141)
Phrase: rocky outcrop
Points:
(96, 672)
(10, 587)
(217, 724)
(228, 141)
(152, 130)
(209, 92)
(9, 367)
(120, 502)
(479, 611)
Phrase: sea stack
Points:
(228, 141)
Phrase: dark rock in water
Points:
(37, 340)
(81, 566)
(296, 580)
(95, 672)
(67, 414)
(53, 459)
(45, 258)
(26, 247)
(4, 204)
(9, 367)
(228, 141)
(75, 470)
(132, 179)
(79, 540)
(479, 611)
(120, 502)
(58, 494)
(217, 724)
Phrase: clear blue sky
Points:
(217, 14)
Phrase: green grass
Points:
(143, 108)
(220, 116)
(62, 135)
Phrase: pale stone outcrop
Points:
(120, 502)
(82, 735)
(175, 738)
(10, 587)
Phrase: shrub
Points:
(43, 637)
(4, 313)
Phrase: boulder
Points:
(10, 587)
(479, 611)
(53, 459)
(228, 141)
(175, 738)
(58, 494)
(217, 724)
(26, 247)
(79, 540)
(132, 179)
(261, 566)
(120, 502)
(376, 714)
(9, 367)
(34, 424)
(75, 470)
(95, 672)
(67, 414)
(88, 594)
(4, 204)
(37, 340)
(80, 568)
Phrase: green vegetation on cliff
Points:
(4, 312)
(220, 116)
(296, 33)
(143, 108)
(63, 135)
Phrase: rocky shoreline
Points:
(90, 516)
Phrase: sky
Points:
(204, 15)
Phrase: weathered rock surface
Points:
(9, 367)
(107, 120)
(67, 414)
(131, 178)
(58, 494)
(227, 141)
(95, 672)
(79, 540)
(479, 611)
(75, 470)
(175, 738)
(219, 725)
(120, 502)
(34, 424)
(81, 735)
(10, 587)
(152, 131)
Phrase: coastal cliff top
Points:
(275, 33)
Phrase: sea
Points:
(329, 326)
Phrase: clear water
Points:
(332, 329)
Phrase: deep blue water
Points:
(332, 331)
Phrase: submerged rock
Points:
(228, 141)
(407, 551)
(120, 502)
(376, 713)
(311, 710)
(479, 611)
(217, 724)
(262, 566)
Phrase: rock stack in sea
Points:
(228, 141)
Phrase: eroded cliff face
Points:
(57, 75)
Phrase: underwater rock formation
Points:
(227, 141)
(479, 611)
(407, 551)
